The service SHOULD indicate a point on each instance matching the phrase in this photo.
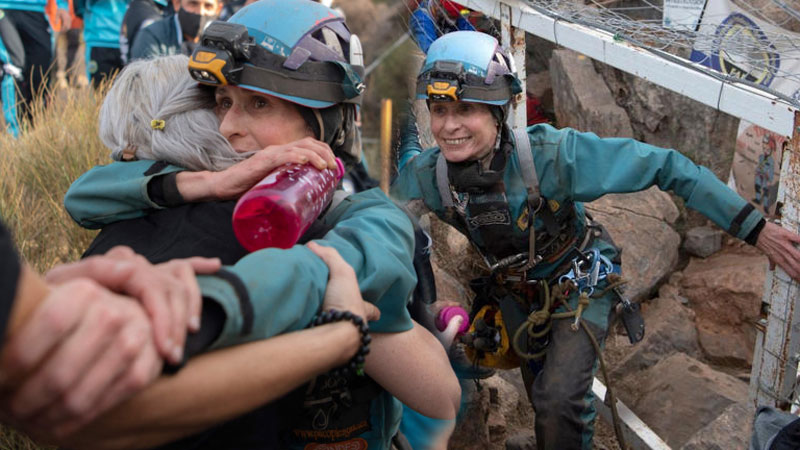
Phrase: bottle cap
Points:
(449, 313)
(339, 169)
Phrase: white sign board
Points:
(744, 47)
(682, 14)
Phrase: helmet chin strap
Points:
(486, 160)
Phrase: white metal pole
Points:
(777, 353)
(513, 39)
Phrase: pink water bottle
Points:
(280, 208)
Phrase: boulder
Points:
(679, 395)
(664, 118)
(495, 412)
(581, 98)
(725, 292)
(521, 441)
(669, 329)
(449, 288)
(640, 224)
(703, 241)
(472, 430)
(453, 253)
(728, 431)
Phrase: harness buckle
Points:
(588, 269)
(512, 261)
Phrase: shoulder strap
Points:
(523, 148)
(443, 182)
(522, 145)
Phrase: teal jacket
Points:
(284, 289)
(31, 5)
(370, 232)
(581, 167)
(160, 38)
(102, 21)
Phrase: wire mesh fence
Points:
(744, 41)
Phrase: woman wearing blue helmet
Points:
(286, 78)
(517, 195)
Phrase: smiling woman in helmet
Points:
(517, 195)
(286, 79)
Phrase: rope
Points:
(544, 317)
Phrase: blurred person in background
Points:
(177, 34)
(231, 6)
(25, 52)
(70, 48)
(102, 22)
(140, 14)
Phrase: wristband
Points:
(356, 364)
(752, 238)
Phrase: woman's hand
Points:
(232, 182)
(82, 351)
(342, 292)
(168, 291)
(780, 246)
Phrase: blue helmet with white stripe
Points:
(297, 50)
(469, 66)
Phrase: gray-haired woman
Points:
(138, 123)
(156, 111)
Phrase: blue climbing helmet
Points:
(297, 50)
(469, 66)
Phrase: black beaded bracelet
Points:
(356, 364)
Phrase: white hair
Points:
(156, 111)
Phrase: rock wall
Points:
(581, 99)
(666, 119)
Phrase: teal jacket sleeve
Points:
(273, 291)
(405, 186)
(118, 191)
(590, 167)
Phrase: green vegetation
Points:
(58, 145)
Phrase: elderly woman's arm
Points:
(434, 390)
(219, 386)
(373, 235)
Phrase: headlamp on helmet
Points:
(444, 81)
(468, 66)
(223, 49)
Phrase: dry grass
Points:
(36, 169)
(57, 146)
